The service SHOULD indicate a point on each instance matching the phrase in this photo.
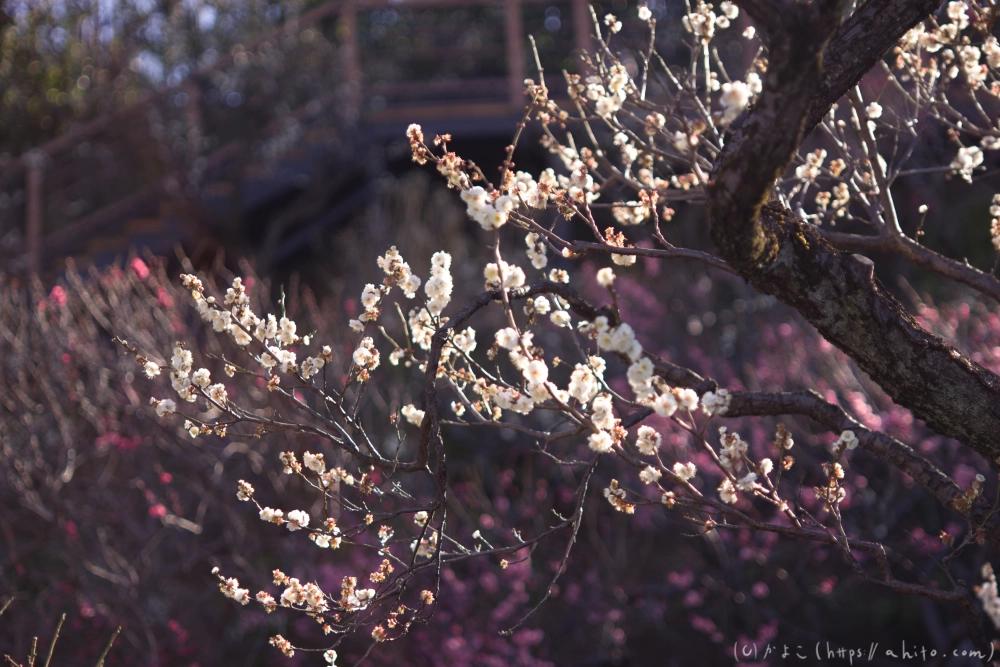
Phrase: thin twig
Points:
(107, 649)
(55, 638)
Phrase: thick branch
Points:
(746, 170)
(835, 418)
(838, 293)
(881, 445)
(874, 28)
(840, 296)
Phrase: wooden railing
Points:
(390, 79)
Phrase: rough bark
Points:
(788, 258)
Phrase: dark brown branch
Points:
(747, 169)
(835, 418)
(838, 293)
(920, 255)
(881, 445)
(874, 28)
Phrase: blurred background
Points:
(256, 126)
(139, 138)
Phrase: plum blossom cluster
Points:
(631, 143)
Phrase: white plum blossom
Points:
(439, 286)
(513, 276)
(465, 340)
(560, 318)
(746, 483)
(231, 589)
(687, 399)
(370, 297)
(412, 414)
(958, 13)
(734, 99)
(314, 462)
(665, 404)
(272, 515)
(483, 209)
(201, 378)
(163, 407)
(583, 384)
(399, 272)
(507, 338)
(536, 252)
(685, 471)
(542, 305)
(601, 442)
(286, 332)
(605, 277)
(733, 449)
(217, 392)
(727, 492)
(182, 360)
(296, 520)
(648, 440)
(311, 366)
(620, 339)
(527, 190)
(245, 491)
(266, 328)
(701, 22)
(716, 402)
(603, 416)
(623, 260)
(650, 475)
(559, 276)
(607, 106)
(991, 48)
(640, 375)
(847, 440)
(536, 372)
(283, 359)
(241, 337)
(987, 594)
(968, 158)
(366, 356)
(321, 540)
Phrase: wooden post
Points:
(583, 25)
(348, 31)
(514, 29)
(33, 209)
